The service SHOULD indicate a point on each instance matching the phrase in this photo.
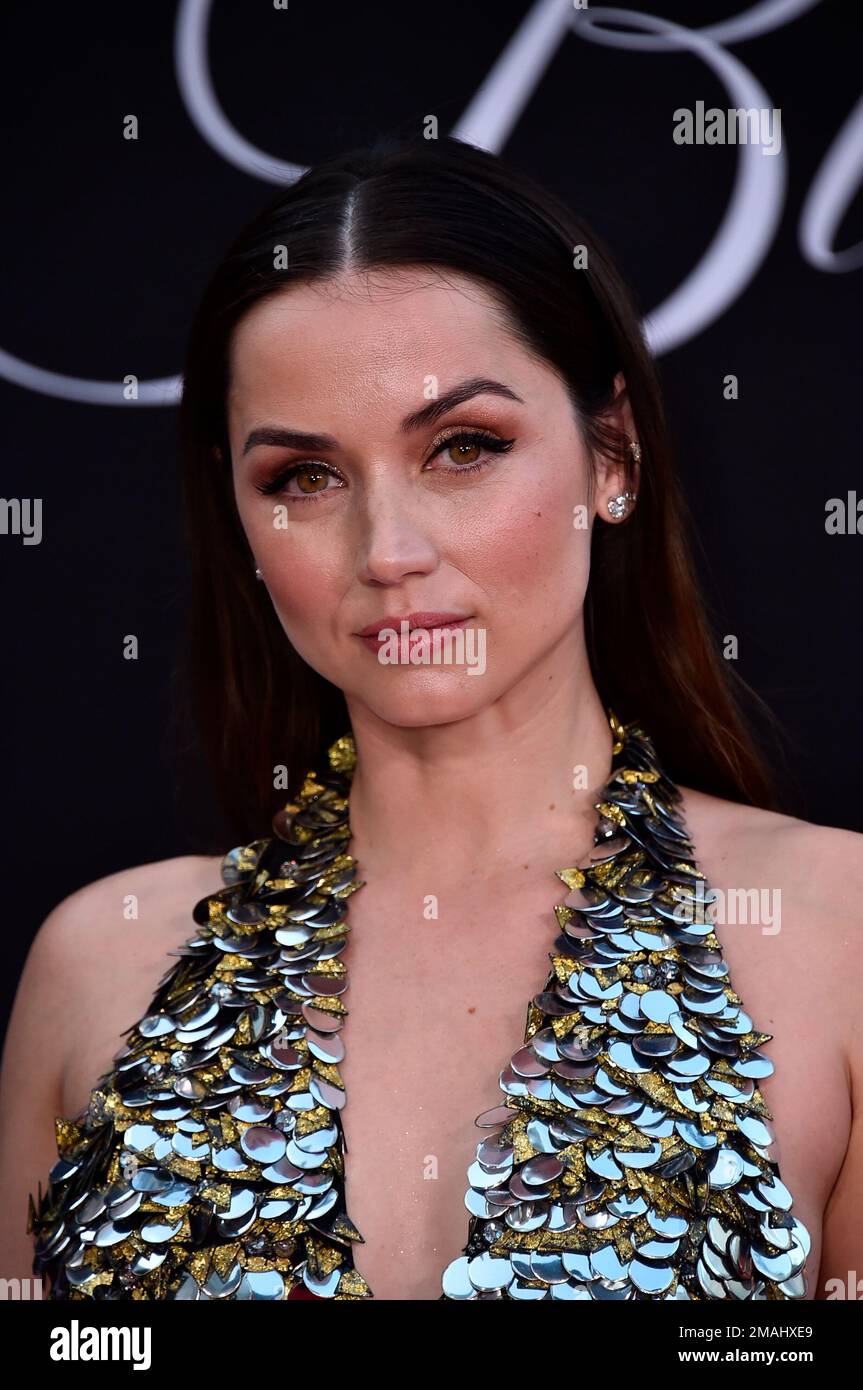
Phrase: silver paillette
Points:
(629, 1158)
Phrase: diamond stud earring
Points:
(620, 505)
(258, 574)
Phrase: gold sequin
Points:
(628, 1158)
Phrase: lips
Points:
(429, 620)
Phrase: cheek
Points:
(530, 554)
(305, 578)
(305, 585)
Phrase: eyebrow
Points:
(417, 420)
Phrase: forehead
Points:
(364, 334)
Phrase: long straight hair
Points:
(257, 705)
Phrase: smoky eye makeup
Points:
(469, 440)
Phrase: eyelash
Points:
(490, 441)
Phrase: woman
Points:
(417, 393)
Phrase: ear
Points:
(615, 475)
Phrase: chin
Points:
(429, 702)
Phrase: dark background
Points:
(108, 242)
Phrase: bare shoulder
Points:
(823, 862)
(92, 925)
(92, 963)
(108, 929)
(812, 878)
(815, 871)
(108, 939)
(163, 890)
(102, 933)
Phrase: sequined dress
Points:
(628, 1158)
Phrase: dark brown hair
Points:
(447, 204)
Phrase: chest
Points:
(438, 1006)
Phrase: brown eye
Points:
(463, 453)
(311, 479)
(312, 476)
(466, 449)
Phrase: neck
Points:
(516, 781)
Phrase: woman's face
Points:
(396, 507)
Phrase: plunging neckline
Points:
(342, 755)
(629, 1158)
(477, 1273)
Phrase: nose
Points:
(394, 541)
